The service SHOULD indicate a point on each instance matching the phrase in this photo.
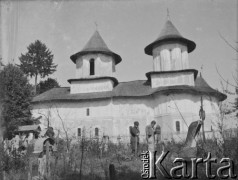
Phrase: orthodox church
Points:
(97, 105)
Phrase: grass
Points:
(127, 166)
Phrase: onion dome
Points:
(170, 33)
(96, 45)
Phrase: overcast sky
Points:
(127, 27)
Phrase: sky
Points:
(127, 27)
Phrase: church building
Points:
(96, 105)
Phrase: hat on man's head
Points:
(153, 122)
(136, 123)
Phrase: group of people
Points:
(153, 136)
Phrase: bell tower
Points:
(170, 58)
(95, 67)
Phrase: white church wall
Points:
(128, 110)
(165, 60)
(172, 79)
(104, 65)
(74, 115)
(185, 109)
(171, 56)
(114, 116)
(185, 61)
(98, 85)
(176, 56)
(157, 63)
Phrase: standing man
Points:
(150, 136)
(135, 132)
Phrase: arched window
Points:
(92, 66)
(79, 132)
(88, 112)
(96, 131)
(177, 126)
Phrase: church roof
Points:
(96, 45)
(139, 88)
(200, 82)
(170, 33)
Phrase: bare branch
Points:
(62, 122)
(171, 97)
(224, 79)
(235, 79)
(46, 117)
(229, 44)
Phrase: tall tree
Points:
(16, 95)
(1, 64)
(38, 61)
(235, 77)
(46, 85)
(1, 127)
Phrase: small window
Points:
(88, 112)
(96, 132)
(79, 132)
(92, 66)
(177, 126)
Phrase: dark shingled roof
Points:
(170, 33)
(137, 88)
(96, 45)
(114, 80)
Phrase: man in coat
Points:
(135, 132)
(150, 136)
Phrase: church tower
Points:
(170, 58)
(95, 67)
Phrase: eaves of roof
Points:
(136, 89)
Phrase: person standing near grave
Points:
(150, 136)
(135, 132)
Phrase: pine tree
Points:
(38, 61)
(16, 95)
